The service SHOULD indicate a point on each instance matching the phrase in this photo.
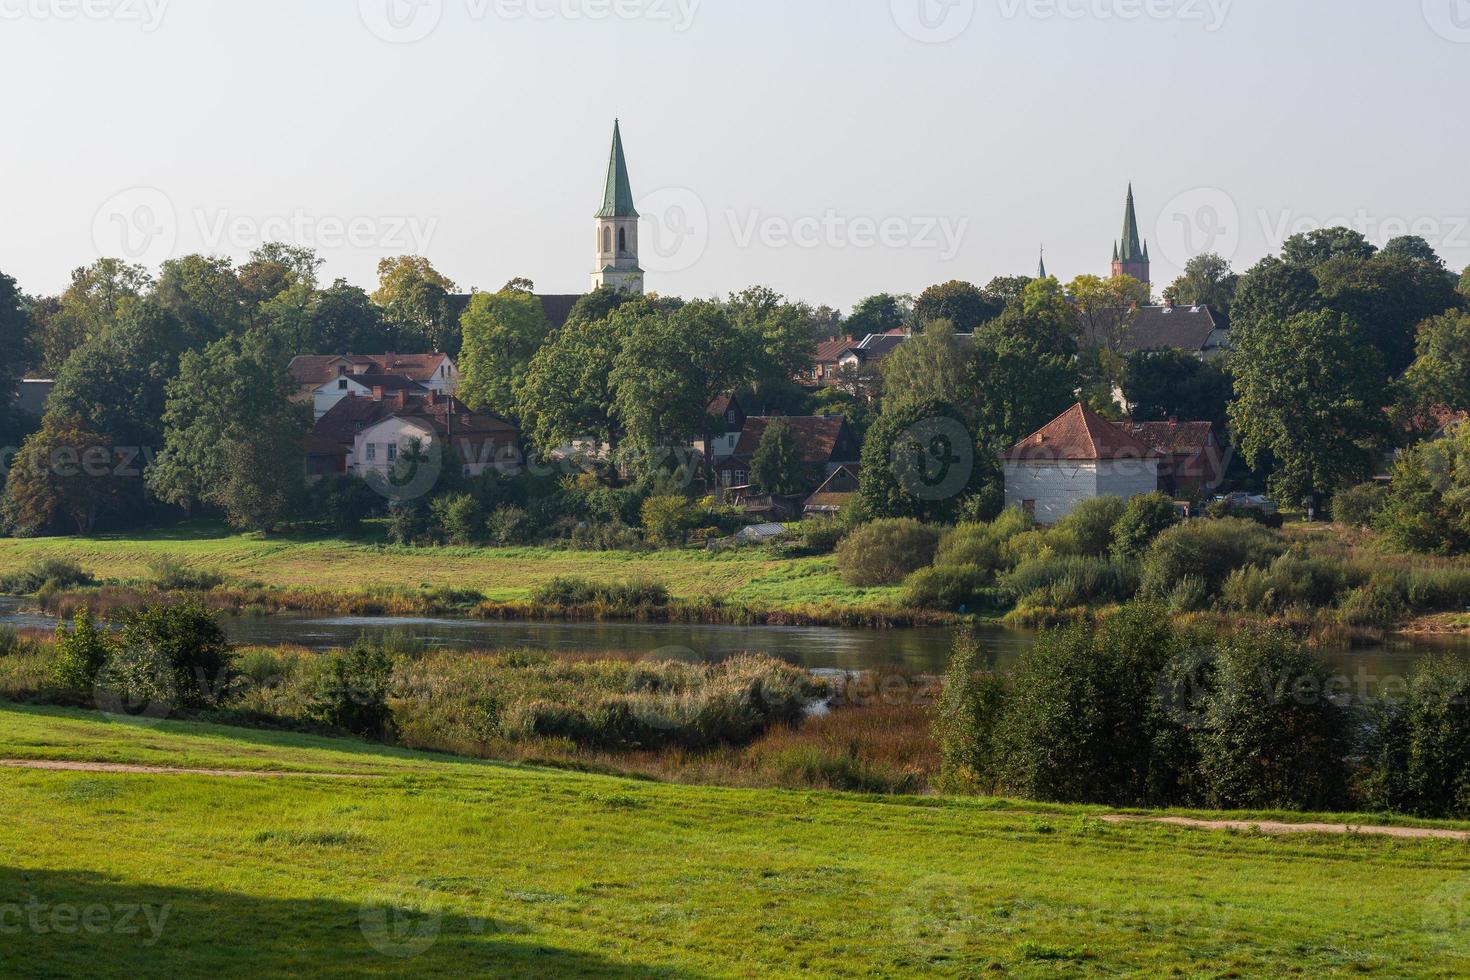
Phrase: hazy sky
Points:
(828, 148)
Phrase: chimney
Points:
(400, 397)
(377, 393)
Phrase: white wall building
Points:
(1078, 456)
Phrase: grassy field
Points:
(502, 574)
(444, 867)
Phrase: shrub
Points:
(457, 518)
(189, 641)
(1091, 524)
(353, 695)
(1421, 762)
(1070, 581)
(139, 678)
(966, 720)
(343, 501)
(575, 591)
(11, 642)
(1209, 550)
(821, 535)
(1271, 735)
(884, 552)
(1143, 520)
(1359, 506)
(611, 536)
(670, 519)
(171, 574)
(815, 765)
(62, 573)
(408, 523)
(975, 545)
(1085, 718)
(946, 588)
(510, 526)
(1189, 594)
(81, 652)
(1289, 581)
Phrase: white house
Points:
(1077, 456)
(326, 379)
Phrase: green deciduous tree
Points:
(1309, 392)
(777, 466)
(1388, 296)
(65, 468)
(1440, 375)
(1428, 505)
(1175, 384)
(1413, 247)
(878, 314)
(417, 312)
(1311, 248)
(1024, 365)
(933, 364)
(343, 320)
(1207, 281)
(963, 304)
(921, 460)
(502, 332)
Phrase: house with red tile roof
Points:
(325, 379)
(1077, 456)
(825, 441)
(359, 434)
(1193, 460)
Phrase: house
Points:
(1075, 457)
(325, 379)
(731, 415)
(834, 493)
(825, 440)
(1196, 329)
(359, 435)
(827, 361)
(1192, 459)
(871, 349)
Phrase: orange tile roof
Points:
(1079, 433)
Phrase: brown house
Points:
(1193, 459)
(825, 440)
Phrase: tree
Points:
(960, 303)
(1005, 290)
(414, 298)
(777, 466)
(920, 460)
(343, 320)
(1144, 518)
(1441, 373)
(1465, 283)
(672, 366)
(1428, 505)
(1413, 247)
(1175, 384)
(228, 426)
(1107, 309)
(502, 332)
(927, 366)
(878, 314)
(89, 304)
(1272, 291)
(782, 335)
(1309, 393)
(567, 392)
(15, 340)
(65, 468)
(1207, 281)
(1024, 366)
(204, 295)
(1311, 248)
(1389, 296)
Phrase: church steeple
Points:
(1041, 271)
(1130, 255)
(617, 226)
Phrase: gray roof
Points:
(1191, 328)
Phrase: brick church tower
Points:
(1130, 257)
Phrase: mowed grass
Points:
(502, 574)
(444, 867)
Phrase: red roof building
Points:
(1077, 456)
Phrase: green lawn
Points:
(503, 574)
(501, 870)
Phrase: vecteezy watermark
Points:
(139, 224)
(146, 14)
(221, 229)
(1440, 231)
(1210, 14)
(677, 230)
(408, 21)
(1201, 220)
(933, 21)
(1450, 19)
(831, 230)
(401, 926)
(933, 459)
(67, 919)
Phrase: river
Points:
(911, 650)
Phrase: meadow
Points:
(445, 866)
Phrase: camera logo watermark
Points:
(1205, 219)
(146, 14)
(1450, 19)
(139, 224)
(934, 459)
(676, 232)
(933, 21)
(401, 21)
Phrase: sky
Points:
(830, 149)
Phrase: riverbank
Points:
(449, 866)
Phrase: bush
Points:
(1209, 550)
(343, 501)
(669, 520)
(408, 524)
(172, 575)
(59, 573)
(139, 678)
(612, 536)
(81, 652)
(966, 720)
(510, 526)
(975, 545)
(1421, 762)
(187, 639)
(1271, 735)
(574, 591)
(1289, 581)
(1091, 524)
(11, 642)
(1359, 506)
(353, 695)
(820, 535)
(1143, 520)
(1085, 719)
(884, 552)
(947, 588)
(1065, 582)
(457, 518)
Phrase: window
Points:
(622, 239)
(392, 451)
(342, 385)
(607, 239)
(730, 417)
(372, 451)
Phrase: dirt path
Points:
(1275, 827)
(60, 766)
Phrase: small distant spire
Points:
(1041, 272)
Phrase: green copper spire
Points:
(1041, 272)
(1132, 249)
(617, 199)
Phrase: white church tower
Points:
(617, 227)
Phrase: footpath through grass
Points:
(447, 867)
(502, 574)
